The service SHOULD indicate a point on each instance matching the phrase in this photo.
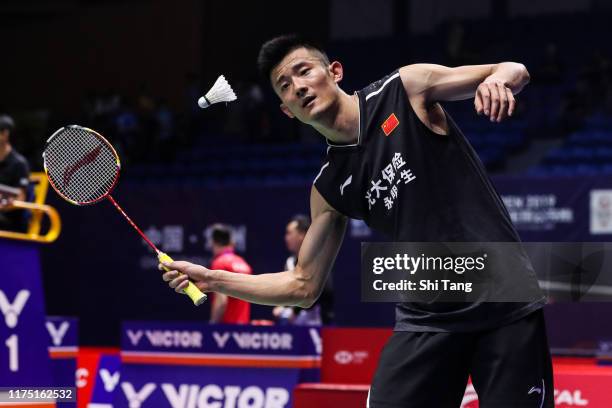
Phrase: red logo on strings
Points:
(85, 160)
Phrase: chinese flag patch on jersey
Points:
(390, 124)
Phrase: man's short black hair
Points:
(273, 51)
(221, 235)
(302, 222)
(7, 123)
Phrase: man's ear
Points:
(337, 71)
(286, 111)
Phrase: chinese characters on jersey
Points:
(386, 188)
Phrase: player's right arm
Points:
(298, 287)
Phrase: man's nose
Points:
(300, 89)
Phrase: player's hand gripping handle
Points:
(192, 290)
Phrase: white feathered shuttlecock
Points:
(221, 91)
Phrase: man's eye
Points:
(305, 71)
(284, 86)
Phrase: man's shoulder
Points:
(379, 85)
(17, 159)
(232, 262)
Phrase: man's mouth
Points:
(308, 100)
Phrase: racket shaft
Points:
(192, 290)
(133, 224)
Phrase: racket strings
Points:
(81, 165)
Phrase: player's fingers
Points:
(486, 99)
(181, 286)
(174, 283)
(478, 102)
(197, 273)
(503, 103)
(511, 102)
(494, 102)
(168, 276)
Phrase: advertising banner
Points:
(24, 358)
(175, 364)
(63, 349)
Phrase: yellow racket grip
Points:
(191, 290)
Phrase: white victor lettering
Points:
(174, 338)
(135, 399)
(57, 335)
(221, 339)
(11, 311)
(229, 396)
(110, 381)
(134, 336)
(256, 341)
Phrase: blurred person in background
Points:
(164, 143)
(14, 173)
(322, 311)
(226, 309)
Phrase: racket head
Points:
(81, 165)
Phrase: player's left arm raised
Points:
(492, 86)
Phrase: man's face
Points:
(293, 237)
(306, 87)
(4, 135)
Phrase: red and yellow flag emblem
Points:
(390, 124)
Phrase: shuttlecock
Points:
(221, 91)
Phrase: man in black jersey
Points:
(399, 162)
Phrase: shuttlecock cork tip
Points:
(221, 91)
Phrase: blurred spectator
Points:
(164, 128)
(457, 50)
(607, 102)
(256, 123)
(145, 102)
(234, 123)
(193, 114)
(547, 90)
(14, 173)
(590, 93)
(226, 309)
(147, 136)
(322, 311)
(127, 128)
(551, 70)
(594, 72)
(106, 103)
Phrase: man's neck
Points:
(343, 127)
(5, 149)
(223, 250)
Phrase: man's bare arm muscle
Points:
(492, 86)
(298, 287)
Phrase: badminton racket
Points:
(83, 168)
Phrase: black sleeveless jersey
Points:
(415, 185)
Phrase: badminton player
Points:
(397, 125)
